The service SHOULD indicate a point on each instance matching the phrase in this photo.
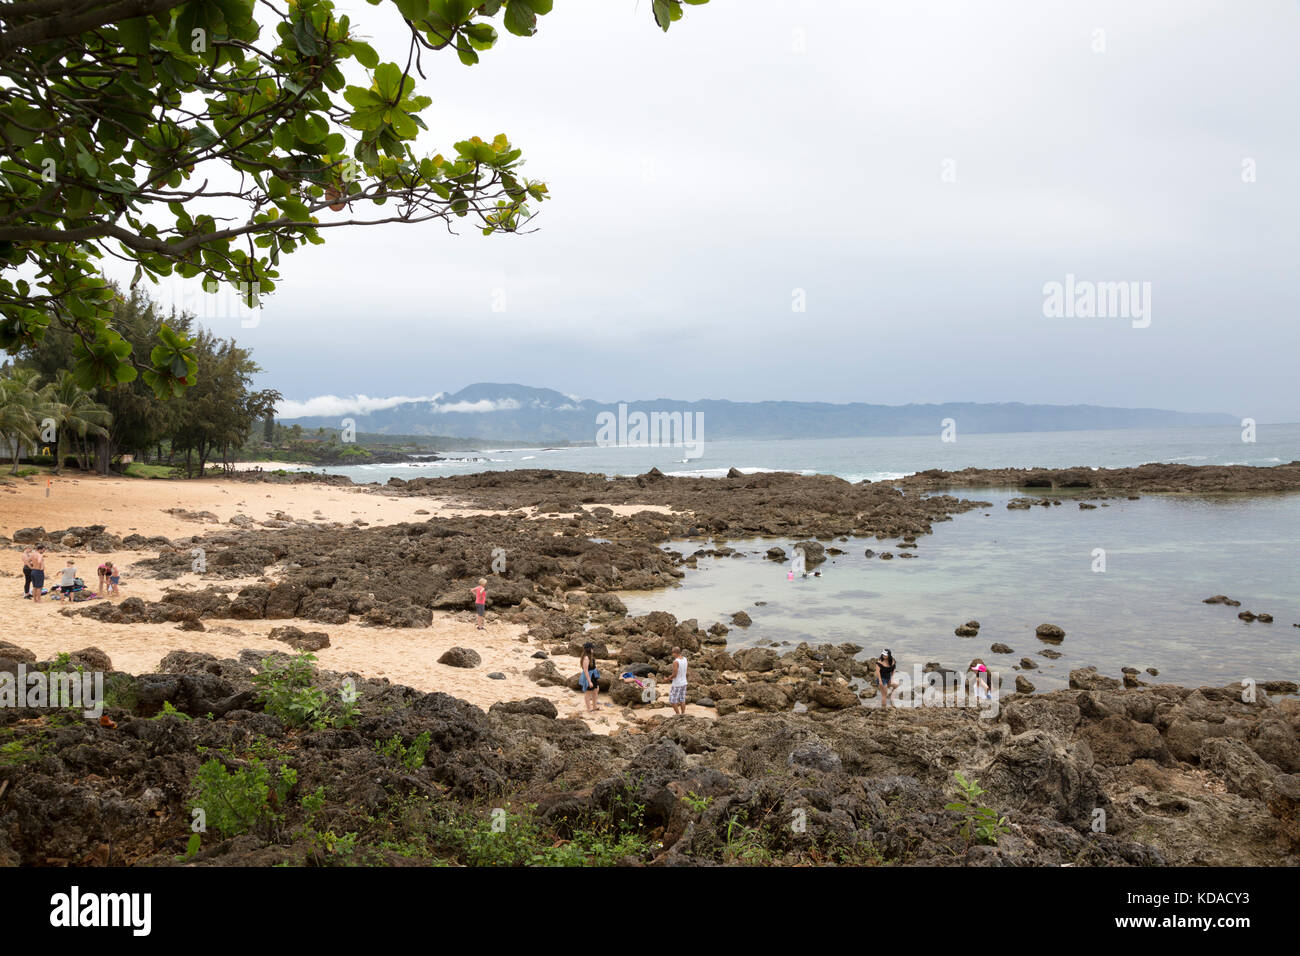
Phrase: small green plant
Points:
(980, 824)
(412, 757)
(696, 802)
(346, 713)
(192, 847)
(284, 687)
(744, 844)
(169, 711)
(248, 798)
(16, 753)
(326, 845)
(120, 691)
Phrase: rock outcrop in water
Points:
(1149, 478)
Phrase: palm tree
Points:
(20, 411)
(73, 410)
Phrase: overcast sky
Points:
(702, 176)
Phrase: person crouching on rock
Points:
(589, 679)
(480, 601)
(885, 665)
(677, 692)
(981, 674)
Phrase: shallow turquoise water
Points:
(1014, 570)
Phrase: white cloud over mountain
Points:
(340, 405)
(481, 406)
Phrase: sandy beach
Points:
(126, 505)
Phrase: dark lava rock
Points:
(299, 639)
(529, 705)
(460, 657)
(1049, 632)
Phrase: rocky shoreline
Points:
(1096, 776)
(1182, 775)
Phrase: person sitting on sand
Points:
(38, 573)
(480, 601)
(885, 665)
(589, 679)
(677, 691)
(68, 578)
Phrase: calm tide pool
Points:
(1014, 570)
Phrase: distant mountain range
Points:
(506, 413)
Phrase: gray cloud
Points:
(702, 176)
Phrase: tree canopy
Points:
(207, 139)
(213, 418)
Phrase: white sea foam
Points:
(722, 472)
(877, 476)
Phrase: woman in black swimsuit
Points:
(885, 665)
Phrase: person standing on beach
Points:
(885, 665)
(27, 571)
(589, 679)
(677, 692)
(480, 601)
(38, 573)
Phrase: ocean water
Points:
(1014, 570)
(882, 458)
(1010, 570)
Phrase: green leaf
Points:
(364, 53)
(521, 19)
(304, 34)
(465, 51)
(663, 13)
(310, 127)
(388, 78)
(134, 35)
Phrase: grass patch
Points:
(138, 470)
(436, 831)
